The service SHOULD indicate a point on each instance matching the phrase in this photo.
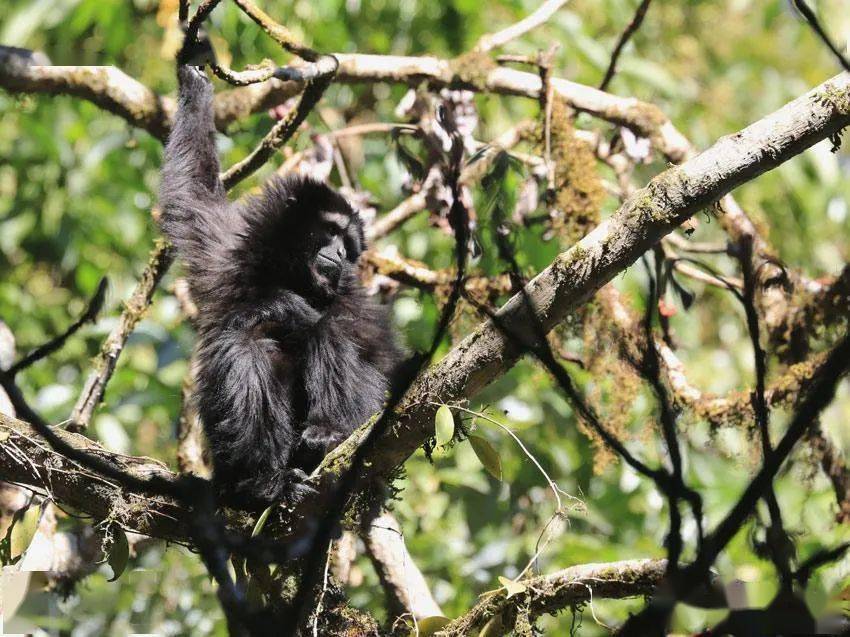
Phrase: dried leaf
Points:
(513, 587)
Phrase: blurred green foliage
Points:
(76, 190)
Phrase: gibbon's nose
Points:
(340, 251)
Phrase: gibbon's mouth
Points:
(326, 260)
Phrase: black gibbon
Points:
(293, 355)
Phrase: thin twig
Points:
(538, 17)
(277, 32)
(197, 20)
(408, 208)
(811, 18)
(283, 130)
(56, 343)
(625, 36)
(104, 365)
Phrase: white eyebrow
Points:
(337, 219)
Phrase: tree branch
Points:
(106, 86)
(285, 128)
(616, 243)
(26, 458)
(539, 16)
(405, 586)
(158, 263)
(555, 592)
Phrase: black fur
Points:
(291, 361)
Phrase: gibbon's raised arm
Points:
(195, 213)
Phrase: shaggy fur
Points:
(290, 361)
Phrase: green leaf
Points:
(24, 530)
(444, 425)
(430, 625)
(119, 554)
(513, 587)
(488, 456)
(261, 521)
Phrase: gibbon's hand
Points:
(296, 487)
(197, 52)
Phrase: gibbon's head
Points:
(311, 238)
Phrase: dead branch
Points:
(403, 582)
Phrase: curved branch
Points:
(405, 586)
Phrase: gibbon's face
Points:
(335, 246)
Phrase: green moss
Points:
(471, 69)
(578, 191)
(836, 97)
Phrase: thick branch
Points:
(106, 86)
(25, 458)
(118, 93)
(641, 221)
(555, 592)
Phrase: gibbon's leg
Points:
(342, 392)
(246, 414)
(248, 386)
